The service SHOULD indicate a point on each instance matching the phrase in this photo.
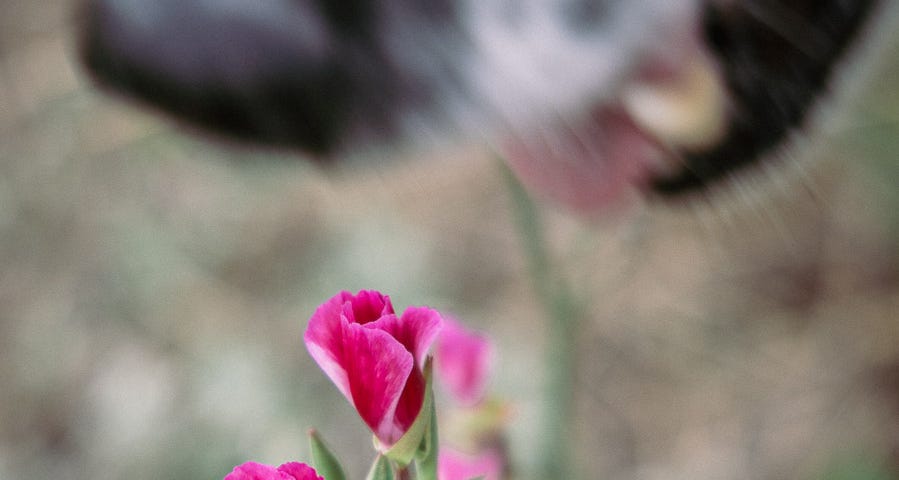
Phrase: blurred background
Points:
(154, 288)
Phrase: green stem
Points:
(561, 308)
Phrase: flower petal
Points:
(453, 465)
(410, 400)
(325, 341)
(367, 306)
(258, 471)
(463, 361)
(324, 335)
(253, 471)
(416, 330)
(377, 372)
(299, 471)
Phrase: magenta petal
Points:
(325, 341)
(463, 362)
(452, 465)
(368, 306)
(377, 372)
(411, 400)
(324, 335)
(299, 471)
(258, 471)
(253, 471)
(416, 330)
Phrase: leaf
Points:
(407, 447)
(324, 461)
(380, 470)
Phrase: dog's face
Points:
(585, 98)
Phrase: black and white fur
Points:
(336, 77)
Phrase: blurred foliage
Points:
(858, 469)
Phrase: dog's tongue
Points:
(587, 167)
(589, 164)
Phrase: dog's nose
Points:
(266, 71)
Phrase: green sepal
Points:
(380, 470)
(426, 456)
(407, 447)
(323, 460)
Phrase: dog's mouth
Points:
(669, 108)
(725, 99)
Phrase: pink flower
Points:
(258, 471)
(374, 357)
(453, 465)
(463, 360)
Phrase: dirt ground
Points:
(154, 287)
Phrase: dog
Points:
(584, 99)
